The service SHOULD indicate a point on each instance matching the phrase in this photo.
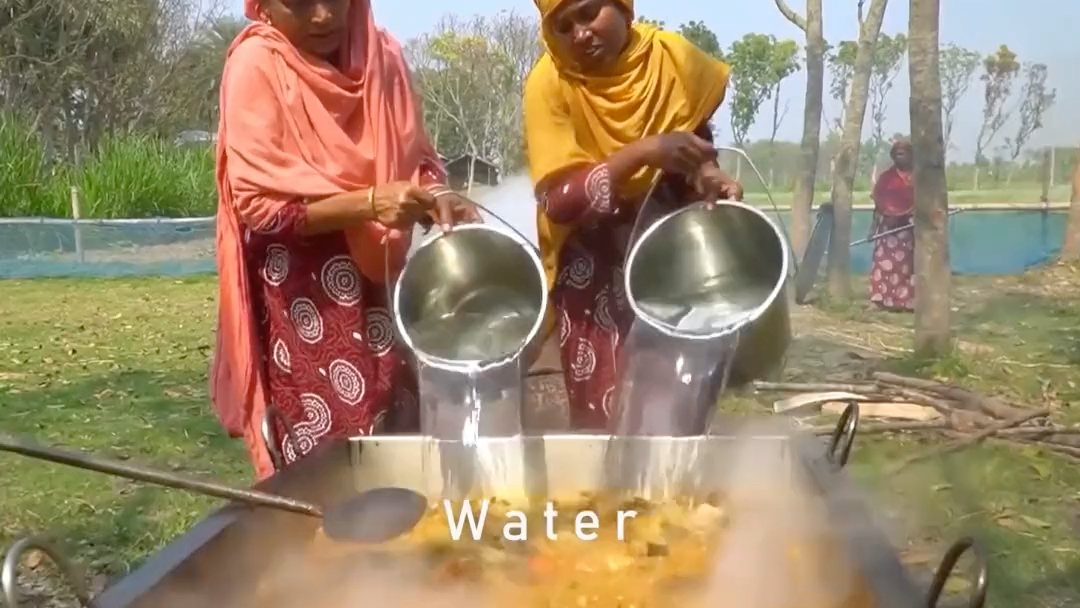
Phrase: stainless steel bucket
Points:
(472, 297)
(704, 273)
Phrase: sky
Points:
(1036, 30)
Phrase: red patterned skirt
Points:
(892, 270)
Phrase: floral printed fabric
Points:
(892, 270)
(332, 363)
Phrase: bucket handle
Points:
(503, 221)
(636, 227)
(485, 209)
(10, 569)
(768, 194)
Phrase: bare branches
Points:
(471, 75)
(88, 69)
(1035, 100)
(999, 71)
(795, 18)
(888, 58)
(957, 65)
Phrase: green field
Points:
(119, 367)
(140, 176)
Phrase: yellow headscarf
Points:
(662, 83)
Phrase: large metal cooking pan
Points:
(214, 563)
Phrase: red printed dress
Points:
(593, 314)
(892, 269)
(332, 364)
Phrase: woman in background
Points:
(892, 271)
(610, 105)
(323, 169)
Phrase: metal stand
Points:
(948, 564)
(843, 436)
(9, 573)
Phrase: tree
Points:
(957, 65)
(702, 37)
(933, 275)
(810, 145)
(841, 62)
(785, 62)
(999, 71)
(888, 56)
(81, 70)
(1070, 248)
(846, 160)
(756, 69)
(1035, 100)
(197, 79)
(471, 76)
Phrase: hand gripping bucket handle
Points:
(509, 232)
(634, 232)
(267, 427)
(487, 210)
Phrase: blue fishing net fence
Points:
(47, 247)
(981, 241)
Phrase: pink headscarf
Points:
(305, 130)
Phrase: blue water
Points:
(984, 242)
(980, 242)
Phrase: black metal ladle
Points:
(372, 516)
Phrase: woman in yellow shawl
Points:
(611, 105)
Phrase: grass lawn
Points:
(119, 367)
(1018, 337)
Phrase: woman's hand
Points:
(680, 153)
(399, 204)
(713, 184)
(452, 209)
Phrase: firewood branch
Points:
(974, 439)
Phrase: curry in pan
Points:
(668, 557)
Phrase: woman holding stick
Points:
(892, 270)
(324, 168)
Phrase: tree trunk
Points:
(847, 154)
(1070, 249)
(806, 179)
(933, 275)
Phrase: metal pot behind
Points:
(705, 273)
(475, 296)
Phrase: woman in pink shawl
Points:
(892, 271)
(323, 168)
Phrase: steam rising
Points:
(350, 578)
(512, 200)
(779, 549)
